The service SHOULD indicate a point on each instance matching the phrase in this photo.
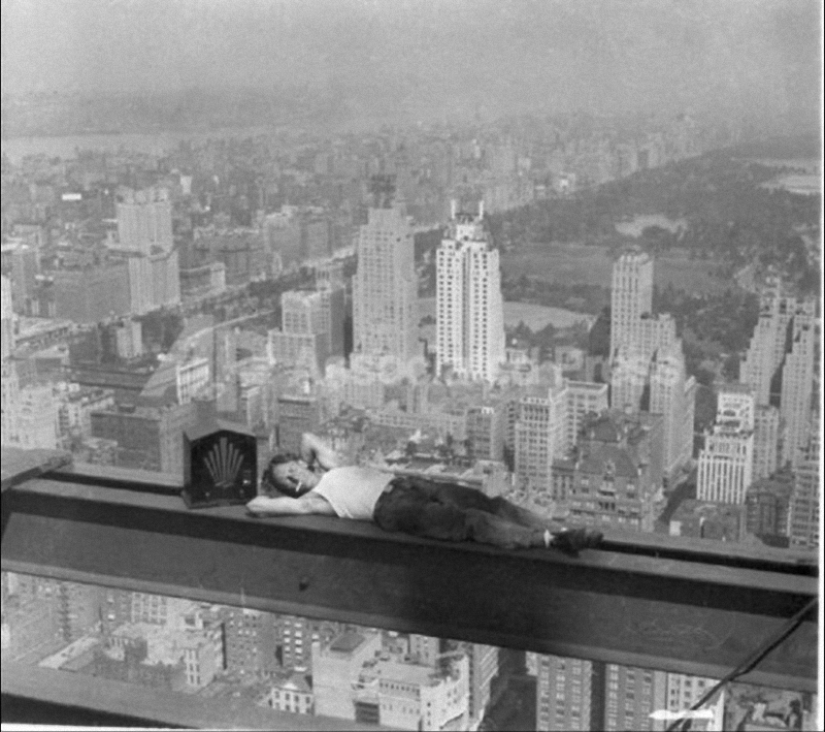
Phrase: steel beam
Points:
(668, 613)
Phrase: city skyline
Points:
(561, 257)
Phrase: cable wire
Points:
(683, 724)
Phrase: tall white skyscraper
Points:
(154, 280)
(469, 308)
(385, 288)
(631, 297)
(726, 462)
(144, 221)
(635, 333)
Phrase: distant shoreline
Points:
(65, 146)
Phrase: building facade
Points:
(144, 220)
(766, 435)
(631, 297)
(154, 280)
(6, 318)
(149, 438)
(385, 287)
(336, 667)
(469, 307)
(540, 436)
(806, 502)
(94, 294)
(297, 413)
(191, 376)
(614, 475)
(673, 395)
(766, 350)
(631, 695)
(583, 398)
(563, 694)
(726, 462)
(798, 374)
(635, 332)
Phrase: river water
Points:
(155, 143)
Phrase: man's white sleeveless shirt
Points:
(353, 491)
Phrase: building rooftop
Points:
(347, 642)
(600, 459)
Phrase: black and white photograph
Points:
(430, 365)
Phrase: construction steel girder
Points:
(614, 605)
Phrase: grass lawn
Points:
(574, 263)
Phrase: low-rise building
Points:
(614, 475)
(293, 694)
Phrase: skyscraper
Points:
(385, 295)
(154, 280)
(798, 384)
(767, 346)
(631, 297)
(144, 221)
(469, 308)
(635, 333)
(726, 462)
(673, 395)
(540, 435)
(329, 281)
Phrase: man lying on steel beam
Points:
(316, 482)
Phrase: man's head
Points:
(288, 474)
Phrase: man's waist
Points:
(394, 482)
(406, 482)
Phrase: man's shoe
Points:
(572, 541)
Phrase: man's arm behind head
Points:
(315, 450)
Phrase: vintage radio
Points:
(219, 465)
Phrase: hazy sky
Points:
(564, 54)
